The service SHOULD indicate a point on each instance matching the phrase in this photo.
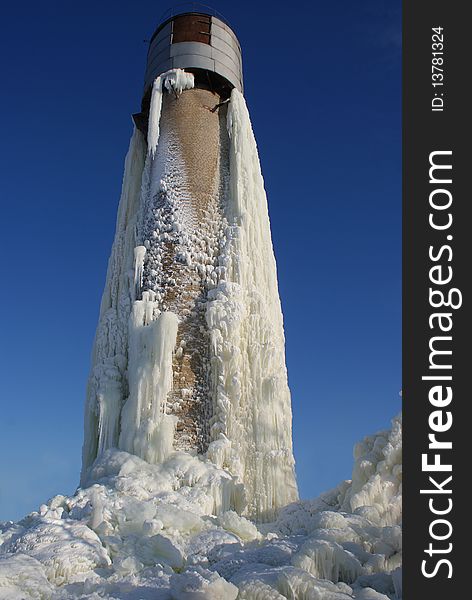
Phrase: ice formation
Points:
(252, 399)
(167, 531)
(189, 351)
(176, 81)
(188, 488)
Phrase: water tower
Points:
(189, 354)
(199, 41)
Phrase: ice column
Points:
(252, 427)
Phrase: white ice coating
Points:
(146, 430)
(377, 477)
(250, 426)
(131, 364)
(167, 531)
(107, 386)
(176, 81)
(252, 422)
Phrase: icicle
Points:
(154, 116)
(139, 255)
(176, 80)
(145, 428)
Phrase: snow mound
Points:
(64, 547)
(201, 584)
(376, 488)
(22, 576)
(171, 532)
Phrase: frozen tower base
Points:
(189, 353)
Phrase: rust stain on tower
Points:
(191, 28)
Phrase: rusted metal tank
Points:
(200, 42)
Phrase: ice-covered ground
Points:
(141, 531)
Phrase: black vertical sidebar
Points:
(436, 119)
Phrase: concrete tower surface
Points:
(189, 349)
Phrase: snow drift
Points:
(165, 531)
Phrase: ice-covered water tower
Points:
(189, 354)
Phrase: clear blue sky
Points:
(322, 83)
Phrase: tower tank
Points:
(201, 42)
(195, 41)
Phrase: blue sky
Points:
(322, 81)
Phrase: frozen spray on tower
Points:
(189, 354)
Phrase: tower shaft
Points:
(192, 166)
